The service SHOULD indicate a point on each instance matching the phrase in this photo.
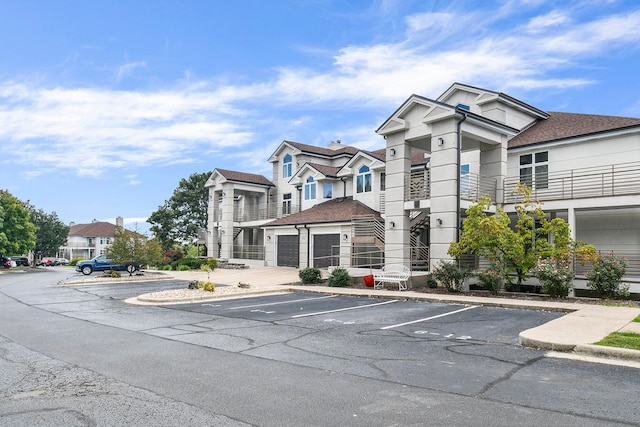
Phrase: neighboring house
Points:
(404, 203)
(89, 240)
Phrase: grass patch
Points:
(621, 340)
(637, 319)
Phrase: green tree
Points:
(177, 221)
(133, 248)
(51, 233)
(514, 249)
(17, 232)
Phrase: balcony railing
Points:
(613, 180)
(257, 214)
(472, 186)
(249, 252)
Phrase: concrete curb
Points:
(607, 352)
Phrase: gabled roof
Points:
(560, 126)
(98, 229)
(244, 177)
(316, 151)
(326, 171)
(492, 95)
(437, 111)
(94, 229)
(336, 210)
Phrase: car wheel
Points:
(87, 270)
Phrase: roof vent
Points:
(463, 107)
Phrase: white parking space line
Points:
(429, 318)
(343, 309)
(281, 302)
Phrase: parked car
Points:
(5, 262)
(102, 263)
(20, 261)
(47, 261)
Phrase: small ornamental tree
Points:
(133, 248)
(515, 249)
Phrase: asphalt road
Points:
(81, 356)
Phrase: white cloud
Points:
(129, 68)
(91, 130)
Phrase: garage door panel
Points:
(288, 251)
(324, 250)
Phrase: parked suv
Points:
(102, 263)
(21, 260)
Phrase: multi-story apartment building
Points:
(405, 202)
(89, 240)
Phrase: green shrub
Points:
(183, 267)
(167, 267)
(207, 286)
(339, 277)
(212, 263)
(113, 273)
(606, 276)
(555, 276)
(75, 261)
(451, 275)
(310, 275)
(431, 281)
(489, 279)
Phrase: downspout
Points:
(344, 186)
(296, 227)
(299, 188)
(459, 164)
(308, 246)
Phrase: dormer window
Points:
(286, 166)
(310, 189)
(363, 180)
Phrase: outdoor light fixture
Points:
(392, 224)
(345, 236)
(439, 221)
(440, 142)
(268, 237)
(392, 152)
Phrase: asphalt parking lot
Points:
(299, 358)
(383, 317)
(448, 347)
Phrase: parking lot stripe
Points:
(281, 302)
(429, 318)
(342, 309)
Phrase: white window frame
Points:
(364, 180)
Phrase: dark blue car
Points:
(102, 263)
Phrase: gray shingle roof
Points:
(567, 125)
(250, 178)
(94, 229)
(336, 210)
(328, 171)
(305, 148)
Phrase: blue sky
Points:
(106, 105)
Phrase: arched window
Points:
(363, 180)
(286, 166)
(310, 189)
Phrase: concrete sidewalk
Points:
(575, 332)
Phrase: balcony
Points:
(472, 186)
(258, 214)
(605, 181)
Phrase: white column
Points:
(398, 165)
